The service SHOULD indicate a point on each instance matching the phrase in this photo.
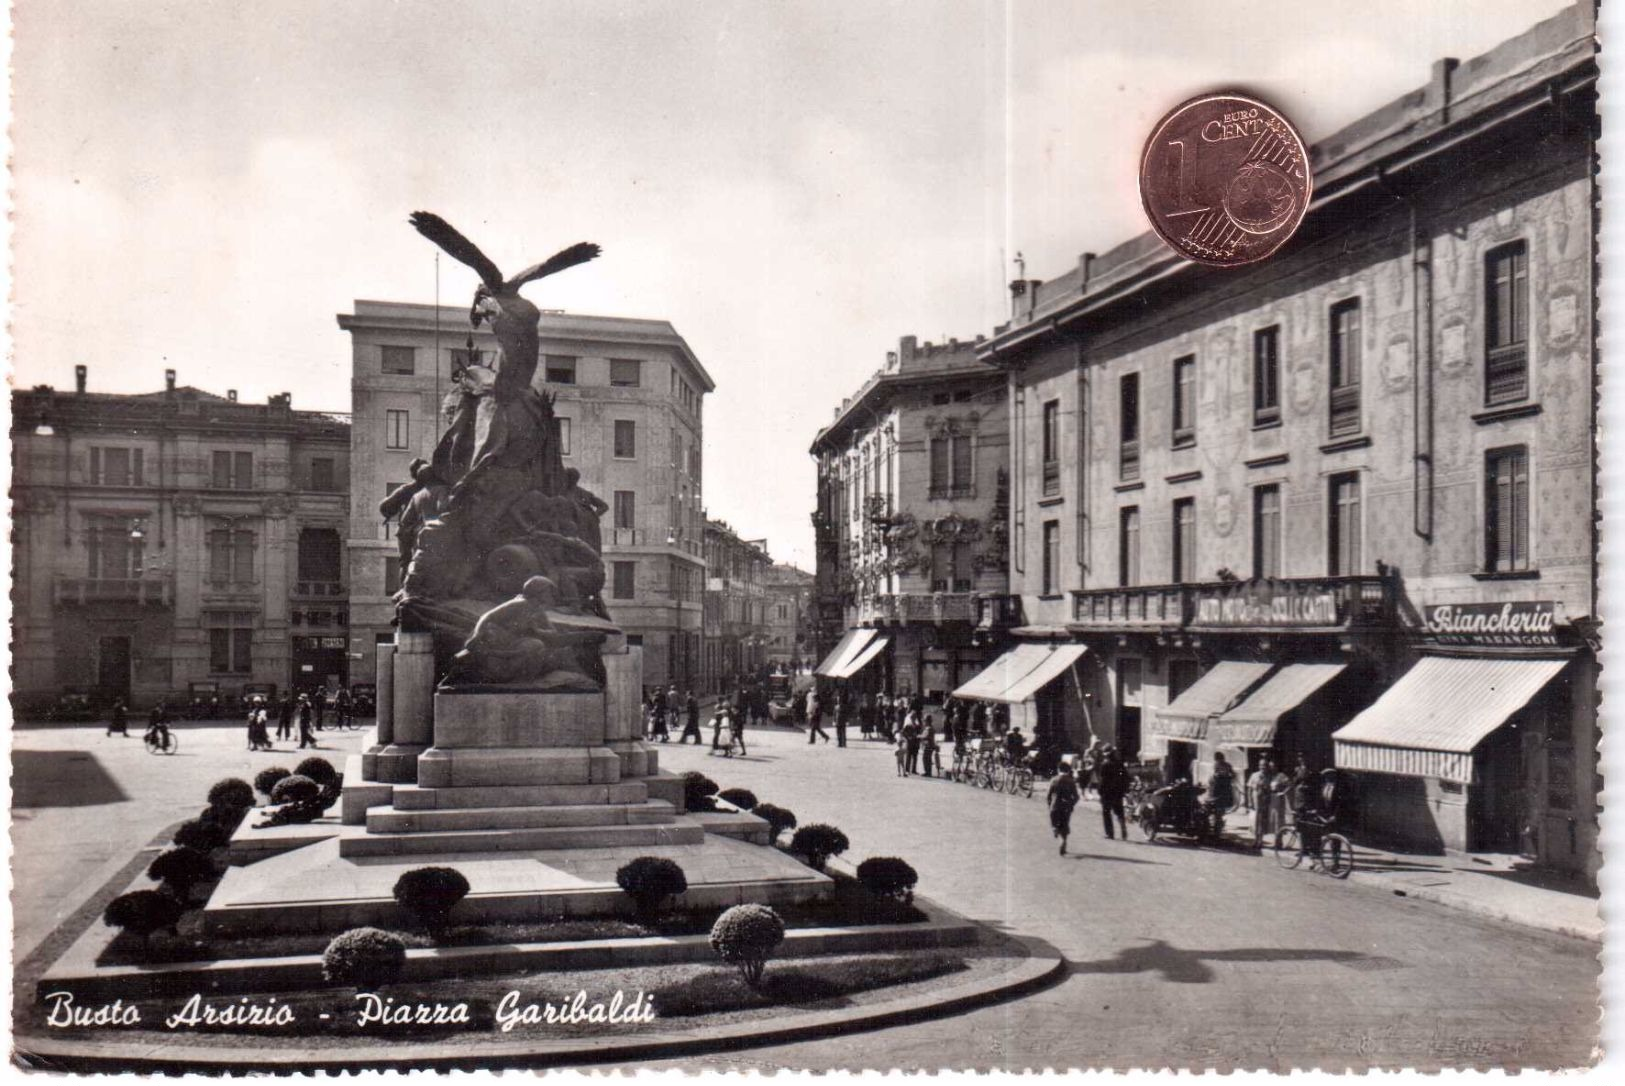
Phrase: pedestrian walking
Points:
(1221, 785)
(1063, 796)
(1112, 780)
(928, 748)
(736, 733)
(307, 737)
(119, 719)
(815, 719)
(843, 717)
(691, 720)
(719, 720)
(284, 718)
(902, 754)
(911, 740)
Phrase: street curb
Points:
(1043, 965)
(1466, 904)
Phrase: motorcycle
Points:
(1180, 809)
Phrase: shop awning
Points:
(853, 643)
(1253, 722)
(862, 659)
(1427, 723)
(1003, 673)
(1049, 669)
(1208, 696)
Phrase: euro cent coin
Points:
(1225, 180)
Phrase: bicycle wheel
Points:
(1024, 783)
(1287, 852)
(997, 775)
(1336, 856)
(151, 743)
(171, 744)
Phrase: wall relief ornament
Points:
(952, 528)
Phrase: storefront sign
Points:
(1517, 624)
(1267, 603)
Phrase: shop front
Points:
(1030, 680)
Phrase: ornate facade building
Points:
(737, 601)
(789, 616)
(1341, 505)
(629, 402)
(176, 544)
(911, 522)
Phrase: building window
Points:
(1343, 526)
(1184, 540)
(563, 429)
(1267, 375)
(113, 552)
(231, 556)
(392, 575)
(116, 467)
(1267, 531)
(951, 467)
(625, 578)
(1128, 421)
(1052, 448)
(397, 429)
(561, 369)
(625, 372)
(402, 360)
(1185, 401)
(626, 439)
(1506, 324)
(321, 473)
(1128, 546)
(233, 471)
(231, 642)
(1052, 557)
(625, 510)
(1345, 368)
(1506, 510)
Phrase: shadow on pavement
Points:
(1187, 966)
(61, 778)
(1115, 859)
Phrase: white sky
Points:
(793, 185)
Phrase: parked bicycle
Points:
(1333, 856)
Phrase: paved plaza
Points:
(1176, 954)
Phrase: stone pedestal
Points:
(384, 712)
(412, 711)
(623, 723)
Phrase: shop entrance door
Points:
(1181, 757)
(1128, 707)
(1499, 805)
(113, 668)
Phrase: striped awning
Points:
(853, 643)
(1212, 694)
(1010, 668)
(1429, 722)
(862, 659)
(1253, 722)
(1049, 669)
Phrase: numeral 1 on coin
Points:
(1186, 200)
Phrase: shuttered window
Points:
(1267, 375)
(1128, 546)
(1506, 324)
(1343, 526)
(1345, 368)
(1184, 540)
(1185, 400)
(1506, 506)
(1128, 416)
(1267, 531)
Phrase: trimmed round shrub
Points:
(142, 912)
(888, 877)
(745, 936)
(319, 770)
(364, 958)
(743, 798)
(697, 792)
(430, 893)
(295, 789)
(266, 779)
(649, 881)
(231, 793)
(778, 819)
(818, 842)
(203, 834)
(181, 869)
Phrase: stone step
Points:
(648, 813)
(555, 837)
(414, 797)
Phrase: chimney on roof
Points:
(906, 348)
(169, 380)
(80, 375)
(231, 394)
(1439, 87)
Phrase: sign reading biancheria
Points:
(1523, 624)
(1267, 603)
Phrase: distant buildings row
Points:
(180, 543)
(1340, 505)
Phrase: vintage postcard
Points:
(975, 536)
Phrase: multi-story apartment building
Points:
(789, 616)
(1342, 504)
(911, 518)
(176, 544)
(736, 607)
(629, 400)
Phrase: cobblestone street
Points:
(1177, 955)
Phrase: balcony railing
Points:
(318, 589)
(935, 607)
(998, 612)
(1284, 603)
(627, 537)
(79, 591)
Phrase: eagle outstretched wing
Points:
(443, 234)
(579, 253)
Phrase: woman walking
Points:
(1062, 797)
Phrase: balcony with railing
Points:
(318, 590)
(1306, 603)
(154, 591)
(932, 607)
(998, 612)
(1136, 606)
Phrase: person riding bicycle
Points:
(158, 725)
(1321, 812)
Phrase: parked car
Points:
(364, 699)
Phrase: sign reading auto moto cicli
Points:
(1525, 623)
(1267, 604)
